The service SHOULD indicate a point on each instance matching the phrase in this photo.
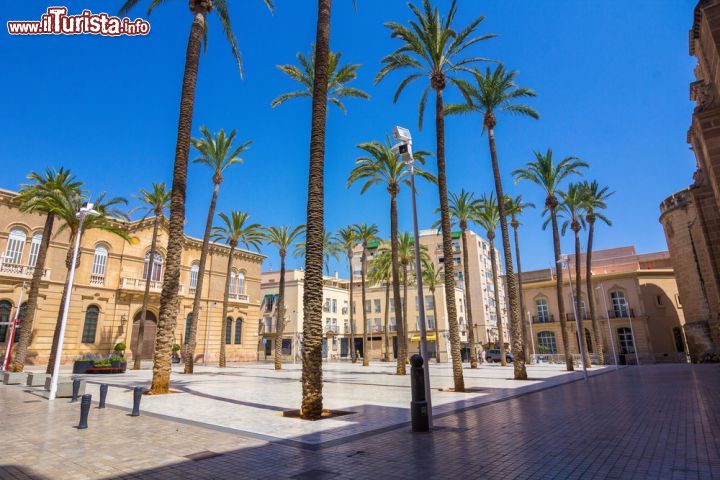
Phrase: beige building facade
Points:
(636, 303)
(109, 285)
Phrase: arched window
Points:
(90, 327)
(194, 270)
(238, 331)
(240, 283)
(156, 268)
(626, 340)
(546, 342)
(15, 246)
(228, 330)
(187, 327)
(99, 264)
(5, 308)
(619, 304)
(231, 287)
(35, 248)
(543, 313)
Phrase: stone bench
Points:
(64, 387)
(37, 379)
(12, 378)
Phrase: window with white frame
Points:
(15, 246)
(240, 283)
(543, 314)
(547, 343)
(35, 248)
(378, 307)
(619, 304)
(431, 321)
(194, 271)
(334, 305)
(429, 302)
(100, 261)
(626, 340)
(156, 267)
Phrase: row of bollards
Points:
(86, 400)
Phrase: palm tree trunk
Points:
(578, 302)
(191, 341)
(280, 324)
(559, 288)
(146, 296)
(366, 353)
(468, 302)
(458, 380)
(523, 320)
(65, 293)
(599, 347)
(498, 315)
(171, 280)
(517, 346)
(386, 355)
(399, 327)
(315, 229)
(437, 331)
(18, 361)
(353, 352)
(226, 295)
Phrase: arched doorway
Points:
(148, 334)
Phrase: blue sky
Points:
(612, 81)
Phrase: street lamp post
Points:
(404, 148)
(532, 335)
(612, 342)
(85, 211)
(13, 331)
(564, 262)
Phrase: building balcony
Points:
(543, 318)
(138, 285)
(97, 280)
(238, 298)
(621, 313)
(20, 271)
(570, 317)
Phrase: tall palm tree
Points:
(514, 207)
(595, 201)
(572, 207)
(217, 153)
(156, 201)
(494, 92)
(366, 234)
(109, 218)
(487, 215)
(339, 77)
(235, 231)
(330, 250)
(171, 281)
(432, 278)
(282, 237)
(382, 166)
(462, 206)
(544, 173)
(434, 50)
(347, 240)
(381, 273)
(42, 195)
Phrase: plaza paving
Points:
(658, 421)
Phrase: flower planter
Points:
(119, 364)
(82, 366)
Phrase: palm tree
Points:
(514, 207)
(572, 208)
(330, 250)
(156, 201)
(171, 281)
(216, 151)
(235, 231)
(544, 173)
(495, 91)
(109, 218)
(381, 273)
(595, 201)
(434, 50)
(282, 237)
(431, 279)
(382, 166)
(366, 234)
(339, 77)
(461, 211)
(347, 240)
(487, 215)
(41, 196)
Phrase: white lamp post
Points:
(564, 262)
(532, 335)
(404, 149)
(612, 342)
(85, 211)
(13, 331)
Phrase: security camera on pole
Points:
(404, 149)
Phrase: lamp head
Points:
(401, 134)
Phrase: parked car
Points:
(493, 355)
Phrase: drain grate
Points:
(204, 455)
(315, 475)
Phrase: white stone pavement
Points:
(250, 398)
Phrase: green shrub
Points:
(176, 347)
(120, 347)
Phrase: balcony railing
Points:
(543, 318)
(621, 313)
(571, 316)
(331, 329)
(138, 285)
(97, 279)
(23, 271)
(238, 297)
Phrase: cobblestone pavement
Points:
(654, 422)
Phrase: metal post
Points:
(13, 331)
(84, 411)
(419, 412)
(532, 335)
(75, 390)
(137, 395)
(632, 332)
(103, 395)
(612, 342)
(581, 341)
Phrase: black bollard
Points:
(418, 404)
(103, 395)
(76, 390)
(84, 411)
(137, 395)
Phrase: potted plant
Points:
(118, 362)
(82, 364)
(175, 356)
(120, 348)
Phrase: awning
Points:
(416, 338)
